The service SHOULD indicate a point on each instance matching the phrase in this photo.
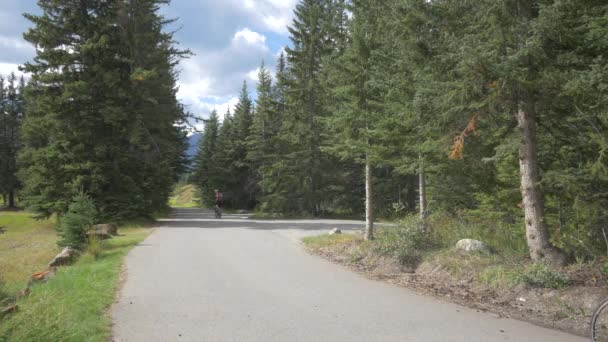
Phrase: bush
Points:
(95, 246)
(542, 275)
(75, 223)
(405, 242)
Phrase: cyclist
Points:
(218, 203)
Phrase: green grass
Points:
(326, 240)
(72, 306)
(185, 196)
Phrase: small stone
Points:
(335, 231)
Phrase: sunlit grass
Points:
(184, 196)
(71, 306)
(26, 247)
(327, 240)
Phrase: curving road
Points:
(235, 279)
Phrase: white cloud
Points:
(7, 68)
(253, 75)
(273, 15)
(250, 37)
(277, 23)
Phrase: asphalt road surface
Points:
(201, 279)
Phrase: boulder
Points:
(93, 234)
(64, 258)
(105, 229)
(471, 245)
(335, 231)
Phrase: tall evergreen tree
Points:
(357, 113)
(205, 170)
(101, 109)
(305, 169)
(244, 190)
(264, 128)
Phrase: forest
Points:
(482, 112)
(489, 114)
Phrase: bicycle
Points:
(218, 211)
(599, 323)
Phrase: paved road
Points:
(201, 279)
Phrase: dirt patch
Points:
(567, 309)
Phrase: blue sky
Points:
(230, 38)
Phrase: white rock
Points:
(470, 245)
(335, 231)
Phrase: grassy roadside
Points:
(504, 282)
(72, 305)
(185, 196)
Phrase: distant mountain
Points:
(193, 144)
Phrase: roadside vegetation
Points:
(185, 196)
(72, 305)
(501, 278)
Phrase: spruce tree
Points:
(101, 114)
(358, 107)
(205, 171)
(264, 128)
(305, 171)
(243, 193)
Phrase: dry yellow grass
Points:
(26, 247)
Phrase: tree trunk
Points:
(369, 205)
(536, 229)
(421, 188)
(11, 199)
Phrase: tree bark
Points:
(369, 205)
(11, 199)
(537, 233)
(422, 188)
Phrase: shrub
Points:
(95, 246)
(405, 242)
(75, 223)
(604, 268)
(542, 275)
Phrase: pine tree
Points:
(13, 116)
(264, 128)
(101, 110)
(244, 190)
(304, 172)
(223, 159)
(205, 172)
(357, 110)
